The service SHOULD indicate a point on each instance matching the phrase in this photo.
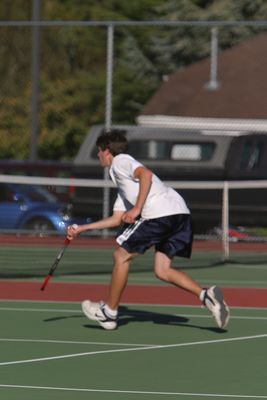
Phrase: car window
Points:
(6, 194)
(37, 193)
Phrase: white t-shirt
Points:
(162, 200)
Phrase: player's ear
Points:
(109, 152)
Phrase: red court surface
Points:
(134, 294)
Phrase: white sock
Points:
(202, 294)
(110, 312)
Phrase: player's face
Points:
(104, 157)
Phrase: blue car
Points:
(34, 208)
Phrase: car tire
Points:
(39, 226)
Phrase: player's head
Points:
(115, 141)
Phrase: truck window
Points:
(150, 149)
(168, 150)
(171, 150)
(251, 154)
(192, 151)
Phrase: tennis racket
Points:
(55, 264)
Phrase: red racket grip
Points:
(55, 264)
(66, 242)
(45, 282)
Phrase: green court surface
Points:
(95, 264)
(226, 275)
(51, 351)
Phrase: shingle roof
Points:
(242, 74)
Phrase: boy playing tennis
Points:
(152, 214)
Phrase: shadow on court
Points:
(127, 316)
(63, 317)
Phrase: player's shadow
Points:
(127, 316)
(63, 317)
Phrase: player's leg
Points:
(106, 314)
(212, 297)
(164, 271)
(119, 276)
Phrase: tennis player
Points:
(149, 213)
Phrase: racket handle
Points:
(45, 282)
(66, 242)
(52, 269)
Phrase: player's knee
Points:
(120, 256)
(161, 273)
(117, 257)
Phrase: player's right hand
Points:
(72, 231)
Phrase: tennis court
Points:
(166, 346)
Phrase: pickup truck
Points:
(186, 155)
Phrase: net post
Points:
(225, 222)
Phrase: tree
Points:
(73, 63)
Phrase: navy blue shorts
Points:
(171, 235)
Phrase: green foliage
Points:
(67, 110)
(13, 130)
(130, 94)
(73, 64)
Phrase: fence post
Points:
(225, 222)
(213, 83)
(108, 113)
(109, 81)
(35, 66)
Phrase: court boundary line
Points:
(233, 317)
(74, 342)
(167, 394)
(123, 304)
(233, 396)
(176, 314)
(153, 347)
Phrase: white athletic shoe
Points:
(213, 300)
(96, 312)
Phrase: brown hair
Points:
(114, 140)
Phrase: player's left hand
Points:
(130, 216)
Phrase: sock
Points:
(202, 294)
(110, 312)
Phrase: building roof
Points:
(242, 91)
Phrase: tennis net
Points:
(28, 248)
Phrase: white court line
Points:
(16, 309)
(81, 313)
(228, 396)
(251, 266)
(154, 347)
(72, 342)
(40, 310)
(40, 302)
(232, 317)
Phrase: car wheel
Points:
(40, 226)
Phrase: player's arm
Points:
(110, 222)
(144, 176)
